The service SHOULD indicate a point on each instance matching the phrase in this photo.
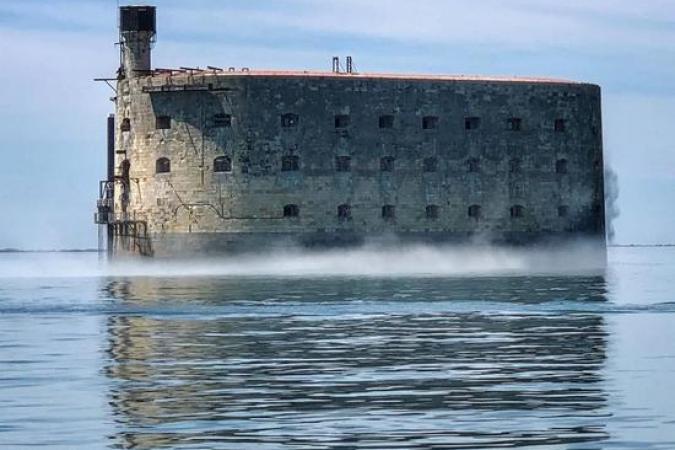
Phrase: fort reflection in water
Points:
(357, 363)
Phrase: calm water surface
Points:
(556, 362)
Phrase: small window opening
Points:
(344, 212)
(429, 122)
(289, 120)
(473, 165)
(387, 164)
(126, 125)
(474, 211)
(126, 167)
(163, 165)
(244, 165)
(163, 122)
(386, 121)
(388, 212)
(432, 212)
(291, 211)
(290, 163)
(514, 124)
(343, 163)
(341, 121)
(517, 211)
(563, 211)
(471, 123)
(515, 165)
(560, 125)
(561, 166)
(222, 121)
(222, 164)
(430, 164)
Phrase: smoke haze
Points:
(399, 261)
(611, 201)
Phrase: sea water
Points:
(406, 351)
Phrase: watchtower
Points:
(138, 30)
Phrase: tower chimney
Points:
(137, 34)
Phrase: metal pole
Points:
(111, 179)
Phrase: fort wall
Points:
(235, 161)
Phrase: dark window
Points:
(244, 164)
(222, 121)
(514, 124)
(517, 211)
(163, 165)
(343, 163)
(563, 211)
(126, 125)
(473, 165)
(429, 122)
(289, 120)
(474, 211)
(222, 164)
(388, 212)
(341, 121)
(126, 167)
(560, 125)
(386, 121)
(344, 212)
(432, 211)
(291, 211)
(430, 164)
(387, 164)
(290, 163)
(561, 166)
(471, 123)
(596, 164)
(163, 122)
(515, 165)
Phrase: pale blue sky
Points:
(52, 115)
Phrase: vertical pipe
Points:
(111, 179)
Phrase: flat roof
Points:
(359, 75)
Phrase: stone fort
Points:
(220, 160)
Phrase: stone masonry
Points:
(213, 161)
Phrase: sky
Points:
(52, 113)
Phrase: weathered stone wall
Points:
(193, 208)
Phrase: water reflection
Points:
(358, 363)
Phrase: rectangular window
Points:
(386, 121)
(126, 125)
(471, 123)
(559, 125)
(341, 121)
(222, 121)
(429, 122)
(344, 212)
(290, 163)
(387, 164)
(343, 163)
(514, 124)
(163, 122)
(432, 212)
(388, 212)
(289, 120)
